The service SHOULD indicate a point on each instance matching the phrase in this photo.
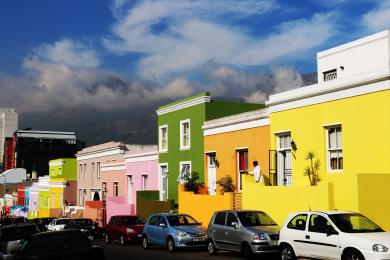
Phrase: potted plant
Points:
(226, 184)
(191, 182)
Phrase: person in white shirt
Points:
(257, 172)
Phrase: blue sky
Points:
(169, 48)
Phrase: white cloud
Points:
(69, 52)
(379, 18)
(193, 32)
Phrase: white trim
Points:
(160, 140)
(143, 158)
(241, 148)
(113, 167)
(281, 132)
(181, 163)
(210, 152)
(332, 124)
(56, 163)
(160, 179)
(182, 122)
(237, 127)
(100, 153)
(184, 104)
(327, 127)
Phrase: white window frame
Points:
(182, 122)
(179, 179)
(160, 178)
(328, 150)
(145, 181)
(160, 146)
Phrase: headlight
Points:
(130, 230)
(260, 236)
(182, 234)
(379, 248)
(83, 230)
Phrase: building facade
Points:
(8, 125)
(181, 136)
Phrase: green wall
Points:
(198, 114)
(68, 170)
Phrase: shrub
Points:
(191, 182)
(226, 184)
(313, 168)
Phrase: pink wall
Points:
(118, 206)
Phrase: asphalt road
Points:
(115, 251)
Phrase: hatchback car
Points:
(125, 229)
(248, 232)
(58, 224)
(173, 231)
(333, 235)
(87, 226)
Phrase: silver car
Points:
(249, 232)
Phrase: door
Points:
(151, 229)
(284, 164)
(212, 173)
(242, 163)
(322, 238)
(164, 182)
(297, 230)
(161, 233)
(130, 189)
(232, 234)
(218, 230)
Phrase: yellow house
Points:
(344, 120)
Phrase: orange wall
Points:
(225, 145)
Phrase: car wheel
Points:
(145, 242)
(287, 253)
(171, 245)
(353, 254)
(122, 240)
(107, 239)
(211, 248)
(246, 251)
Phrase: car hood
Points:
(191, 229)
(136, 228)
(264, 229)
(370, 239)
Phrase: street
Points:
(116, 251)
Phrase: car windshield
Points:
(182, 220)
(132, 220)
(255, 218)
(84, 222)
(17, 233)
(354, 223)
(62, 221)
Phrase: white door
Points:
(212, 173)
(129, 189)
(284, 164)
(164, 182)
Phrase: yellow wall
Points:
(365, 124)
(202, 207)
(225, 145)
(58, 202)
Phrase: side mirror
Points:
(235, 225)
(162, 225)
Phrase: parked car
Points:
(46, 221)
(40, 224)
(11, 236)
(90, 228)
(58, 224)
(124, 228)
(12, 220)
(173, 231)
(65, 244)
(248, 232)
(333, 235)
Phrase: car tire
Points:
(171, 245)
(287, 253)
(107, 239)
(145, 242)
(211, 248)
(122, 240)
(246, 251)
(353, 254)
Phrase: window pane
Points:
(220, 218)
(332, 138)
(298, 222)
(339, 139)
(319, 224)
(230, 219)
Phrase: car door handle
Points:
(307, 237)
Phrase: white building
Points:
(8, 125)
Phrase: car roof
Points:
(43, 234)
(17, 225)
(237, 211)
(327, 212)
(121, 216)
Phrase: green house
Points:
(180, 136)
(64, 168)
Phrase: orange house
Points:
(232, 143)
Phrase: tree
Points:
(313, 168)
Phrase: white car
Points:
(333, 235)
(58, 224)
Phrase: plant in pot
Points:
(191, 182)
(312, 170)
(226, 184)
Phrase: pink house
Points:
(121, 179)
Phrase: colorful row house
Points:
(180, 135)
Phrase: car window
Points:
(182, 220)
(153, 221)
(131, 220)
(230, 219)
(255, 218)
(298, 222)
(319, 224)
(161, 220)
(220, 218)
(62, 221)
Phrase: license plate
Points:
(198, 239)
(139, 235)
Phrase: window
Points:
(144, 182)
(153, 221)
(85, 171)
(242, 157)
(334, 147)
(104, 190)
(116, 189)
(98, 170)
(230, 219)
(330, 75)
(320, 224)
(163, 182)
(220, 218)
(298, 222)
(185, 140)
(163, 140)
(212, 159)
(52, 172)
(185, 170)
(80, 171)
(93, 169)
